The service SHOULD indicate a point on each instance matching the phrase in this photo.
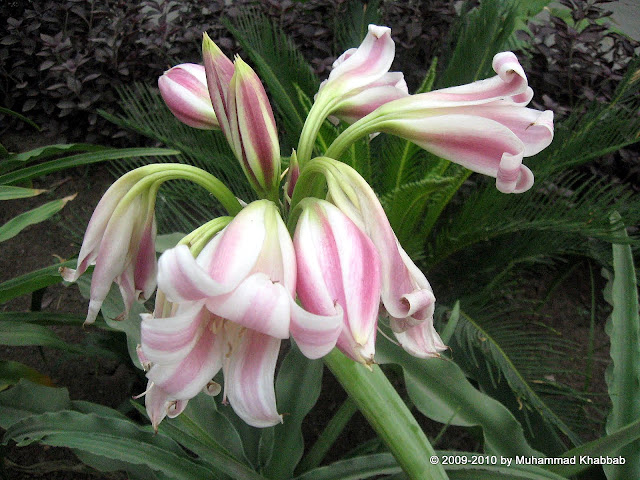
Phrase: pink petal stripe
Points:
(233, 253)
(257, 303)
(184, 90)
(368, 63)
(479, 144)
(249, 376)
(112, 256)
(169, 340)
(422, 340)
(316, 335)
(182, 279)
(185, 379)
(364, 209)
(219, 70)
(254, 131)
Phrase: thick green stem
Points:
(310, 129)
(388, 415)
(158, 173)
(359, 129)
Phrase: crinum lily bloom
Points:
(483, 126)
(405, 292)
(235, 303)
(338, 265)
(120, 242)
(360, 80)
(184, 90)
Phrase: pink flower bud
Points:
(184, 90)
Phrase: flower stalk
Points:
(385, 411)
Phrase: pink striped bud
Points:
(184, 90)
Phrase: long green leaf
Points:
(607, 446)
(20, 159)
(25, 334)
(439, 389)
(11, 193)
(32, 281)
(623, 375)
(206, 444)
(7, 111)
(354, 468)
(14, 226)
(45, 168)
(297, 389)
(12, 372)
(472, 338)
(27, 399)
(109, 437)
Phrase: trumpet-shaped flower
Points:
(184, 90)
(483, 126)
(244, 112)
(405, 292)
(120, 242)
(360, 80)
(339, 265)
(235, 305)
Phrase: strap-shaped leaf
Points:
(45, 168)
(32, 281)
(12, 193)
(607, 446)
(25, 334)
(623, 375)
(108, 437)
(18, 223)
(12, 372)
(440, 390)
(297, 390)
(20, 159)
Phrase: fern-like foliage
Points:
(571, 205)
(350, 34)
(518, 365)
(280, 66)
(480, 34)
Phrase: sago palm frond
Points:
(495, 349)
(570, 205)
(280, 66)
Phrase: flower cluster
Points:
(228, 293)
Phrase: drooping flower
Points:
(360, 80)
(483, 126)
(405, 292)
(246, 118)
(120, 242)
(339, 265)
(235, 303)
(184, 90)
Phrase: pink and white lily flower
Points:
(405, 292)
(245, 115)
(184, 90)
(339, 265)
(360, 80)
(120, 242)
(235, 305)
(483, 126)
